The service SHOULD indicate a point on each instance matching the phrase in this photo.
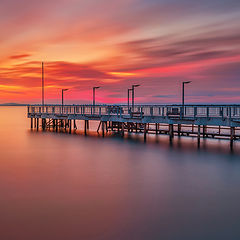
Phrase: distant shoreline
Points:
(13, 105)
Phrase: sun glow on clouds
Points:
(127, 42)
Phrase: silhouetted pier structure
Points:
(201, 121)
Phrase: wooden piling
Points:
(232, 133)
(204, 131)
(103, 130)
(179, 129)
(70, 126)
(122, 133)
(31, 123)
(199, 134)
(145, 132)
(37, 124)
(171, 134)
(85, 127)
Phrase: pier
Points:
(201, 121)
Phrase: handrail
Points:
(170, 111)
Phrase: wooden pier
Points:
(201, 121)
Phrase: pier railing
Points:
(170, 111)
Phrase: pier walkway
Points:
(190, 120)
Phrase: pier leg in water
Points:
(43, 124)
(31, 123)
(156, 128)
(56, 125)
(74, 124)
(232, 129)
(70, 126)
(37, 124)
(85, 127)
(122, 133)
(171, 135)
(103, 126)
(179, 129)
(145, 132)
(204, 131)
(53, 122)
(199, 135)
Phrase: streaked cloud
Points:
(157, 43)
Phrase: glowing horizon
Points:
(157, 44)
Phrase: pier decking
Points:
(190, 120)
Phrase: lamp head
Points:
(187, 82)
(136, 85)
(96, 87)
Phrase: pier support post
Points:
(70, 126)
(204, 131)
(145, 132)
(156, 128)
(56, 121)
(31, 123)
(37, 124)
(232, 129)
(74, 124)
(199, 134)
(43, 124)
(179, 129)
(85, 127)
(171, 135)
(54, 124)
(122, 129)
(103, 129)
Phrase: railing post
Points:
(195, 112)
(151, 111)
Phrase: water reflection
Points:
(62, 186)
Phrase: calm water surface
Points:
(61, 186)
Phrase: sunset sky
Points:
(114, 44)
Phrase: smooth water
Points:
(61, 186)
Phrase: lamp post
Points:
(133, 87)
(183, 95)
(42, 84)
(94, 92)
(130, 89)
(63, 90)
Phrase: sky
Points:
(114, 44)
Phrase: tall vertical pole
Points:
(62, 100)
(183, 94)
(129, 99)
(42, 83)
(94, 96)
(133, 98)
(62, 97)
